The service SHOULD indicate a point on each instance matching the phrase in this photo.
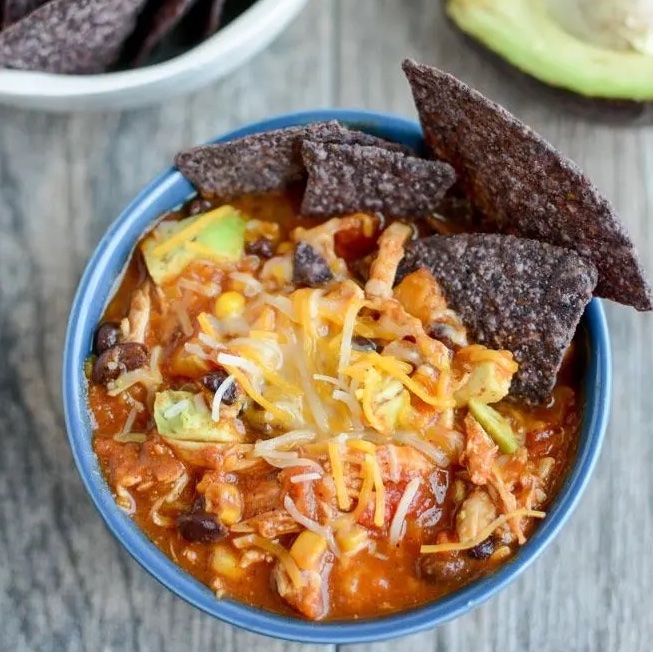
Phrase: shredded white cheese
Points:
(218, 396)
(304, 477)
(398, 524)
(176, 408)
(241, 363)
(325, 532)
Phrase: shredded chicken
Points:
(311, 599)
(134, 327)
(476, 513)
(140, 466)
(322, 237)
(316, 500)
(384, 267)
(263, 497)
(480, 452)
(269, 525)
(409, 462)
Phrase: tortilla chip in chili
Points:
(522, 184)
(346, 179)
(11, 11)
(511, 293)
(69, 36)
(263, 162)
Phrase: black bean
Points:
(483, 550)
(201, 526)
(118, 359)
(198, 206)
(198, 505)
(359, 343)
(309, 268)
(261, 247)
(442, 332)
(214, 379)
(106, 336)
(444, 568)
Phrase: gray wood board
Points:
(65, 584)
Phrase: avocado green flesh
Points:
(524, 33)
(485, 385)
(191, 423)
(224, 236)
(495, 425)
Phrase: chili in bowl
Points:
(281, 411)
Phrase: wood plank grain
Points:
(65, 584)
(585, 592)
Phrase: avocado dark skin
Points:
(615, 112)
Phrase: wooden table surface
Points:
(65, 583)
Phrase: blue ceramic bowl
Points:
(97, 284)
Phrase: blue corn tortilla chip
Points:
(263, 162)
(69, 36)
(156, 22)
(11, 11)
(511, 293)
(522, 185)
(214, 16)
(346, 179)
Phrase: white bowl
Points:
(216, 57)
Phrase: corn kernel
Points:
(501, 553)
(230, 504)
(459, 491)
(229, 304)
(308, 549)
(226, 563)
(352, 540)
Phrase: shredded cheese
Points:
(379, 490)
(191, 231)
(263, 335)
(398, 524)
(483, 534)
(226, 359)
(125, 500)
(288, 440)
(206, 290)
(209, 341)
(224, 387)
(391, 366)
(362, 445)
(416, 442)
(325, 532)
(176, 409)
(257, 397)
(347, 334)
(206, 325)
(129, 422)
(278, 551)
(304, 477)
(352, 404)
(179, 308)
(338, 476)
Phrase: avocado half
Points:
(552, 42)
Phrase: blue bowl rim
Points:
(117, 244)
